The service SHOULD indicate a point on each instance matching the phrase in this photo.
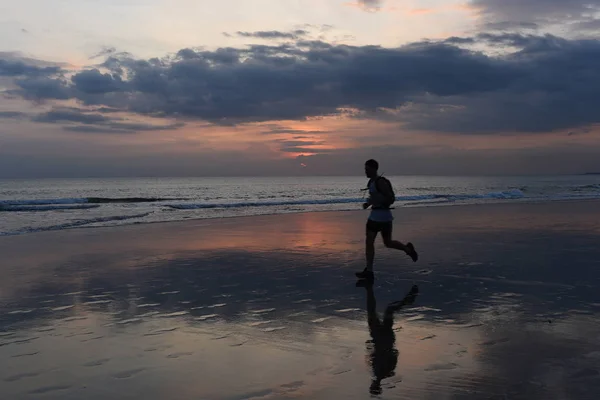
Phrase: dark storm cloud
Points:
(95, 82)
(543, 83)
(43, 88)
(519, 10)
(16, 68)
(96, 123)
(121, 127)
(569, 15)
(265, 83)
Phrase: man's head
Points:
(371, 167)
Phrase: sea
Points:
(28, 206)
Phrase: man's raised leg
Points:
(408, 248)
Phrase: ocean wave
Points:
(76, 224)
(195, 206)
(8, 208)
(510, 194)
(84, 200)
(41, 202)
(585, 188)
(104, 200)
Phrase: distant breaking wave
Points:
(77, 224)
(37, 205)
(73, 203)
(48, 207)
(511, 194)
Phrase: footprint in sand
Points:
(48, 389)
(96, 363)
(128, 373)
(18, 377)
(20, 341)
(25, 354)
(178, 355)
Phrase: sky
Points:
(105, 88)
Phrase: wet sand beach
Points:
(267, 307)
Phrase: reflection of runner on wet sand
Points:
(384, 356)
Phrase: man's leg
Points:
(370, 236)
(408, 248)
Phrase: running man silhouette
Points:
(383, 356)
(381, 197)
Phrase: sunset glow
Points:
(419, 84)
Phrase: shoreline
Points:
(517, 202)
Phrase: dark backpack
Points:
(379, 181)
